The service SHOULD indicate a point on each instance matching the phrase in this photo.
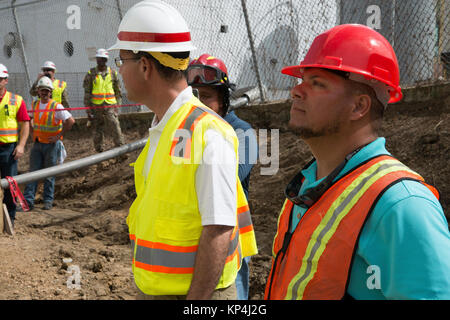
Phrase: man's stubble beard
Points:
(308, 133)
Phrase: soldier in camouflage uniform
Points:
(102, 88)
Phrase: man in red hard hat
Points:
(209, 76)
(357, 223)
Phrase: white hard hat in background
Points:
(153, 25)
(45, 82)
(3, 71)
(102, 53)
(49, 65)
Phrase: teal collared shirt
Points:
(404, 248)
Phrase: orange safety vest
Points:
(314, 262)
(45, 125)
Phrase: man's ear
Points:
(146, 67)
(361, 106)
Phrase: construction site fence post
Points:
(252, 48)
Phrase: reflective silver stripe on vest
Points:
(51, 116)
(184, 134)
(160, 257)
(245, 219)
(8, 132)
(330, 223)
(12, 99)
(43, 128)
(172, 259)
(233, 244)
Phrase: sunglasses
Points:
(200, 74)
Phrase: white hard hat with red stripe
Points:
(3, 71)
(49, 65)
(153, 25)
(102, 53)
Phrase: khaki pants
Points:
(228, 293)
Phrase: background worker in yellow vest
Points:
(102, 88)
(185, 221)
(14, 130)
(48, 129)
(59, 93)
(357, 223)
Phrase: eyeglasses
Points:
(201, 74)
(119, 61)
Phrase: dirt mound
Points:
(86, 229)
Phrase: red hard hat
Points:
(207, 70)
(356, 49)
(208, 60)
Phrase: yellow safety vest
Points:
(9, 107)
(102, 89)
(45, 125)
(164, 220)
(58, 87)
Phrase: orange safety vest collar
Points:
(314, 261)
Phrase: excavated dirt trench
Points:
(86, 229)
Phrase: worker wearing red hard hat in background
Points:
(14, 130)
(357, 223)
(102, 88)
(209, 76)
(59, 93)
(183, 223)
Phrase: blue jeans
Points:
(242, 280)
(43, 155)
(8, 167)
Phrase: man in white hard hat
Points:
(14, 130)
(102, 92)
(183, 223)
(48, 131)
(59, 93)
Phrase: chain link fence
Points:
(255, 38)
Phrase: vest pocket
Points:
(178, 232)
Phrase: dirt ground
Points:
(87, 224)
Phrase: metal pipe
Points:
(22, 47)
(247, 97)
(76, 164)
(252, 47)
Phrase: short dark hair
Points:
(376, 108)
(167, 73)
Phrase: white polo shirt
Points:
(215, 179)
